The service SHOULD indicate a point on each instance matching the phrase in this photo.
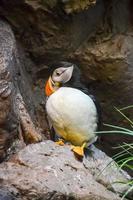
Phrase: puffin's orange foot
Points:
(60, 142)
(79, 151)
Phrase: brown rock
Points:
(8, 121)
(46, 170)
(13, 112)
(72, 6)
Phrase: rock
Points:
(106, 171)
(49, 171)
(8, 120)
(71, 6)
(14, 115)
(46, 31)
(111, 61)
(6, 195)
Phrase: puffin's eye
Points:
(57, 73)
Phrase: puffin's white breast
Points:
(73, 114)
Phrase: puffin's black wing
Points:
(99, 113)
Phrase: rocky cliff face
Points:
(97, 35)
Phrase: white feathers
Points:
(73, 114)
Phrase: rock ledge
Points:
(48, 171)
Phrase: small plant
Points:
(124, 158)
(119, 129)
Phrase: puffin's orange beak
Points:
(49, 88)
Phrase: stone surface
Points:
(14, 114)
(106, 171)
(6, 195)
(8, 121)
(49, 171)
(46, 31)
(71, 6)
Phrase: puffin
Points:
(74, 113)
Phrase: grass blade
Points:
(117, 127)
(127, 192)
(130, 121)
(114, 131)
(127, 107)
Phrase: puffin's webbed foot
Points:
(60, 142)
(79, 151)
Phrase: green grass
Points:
(124, 158)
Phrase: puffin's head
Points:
(61, 73)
